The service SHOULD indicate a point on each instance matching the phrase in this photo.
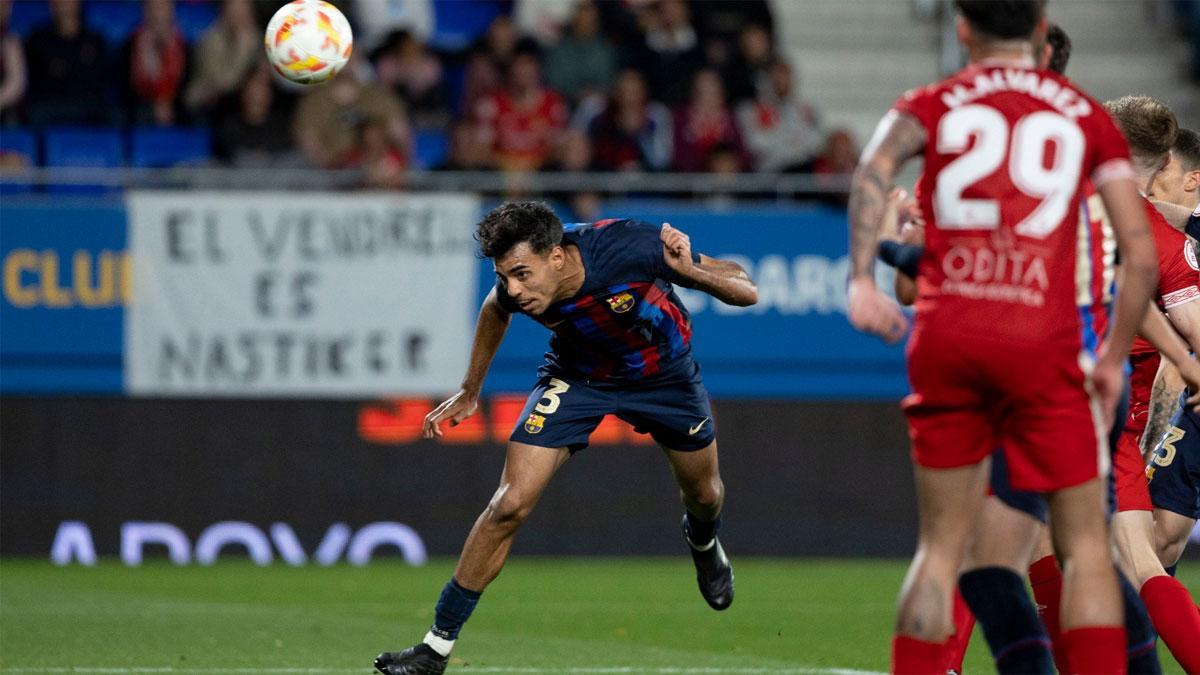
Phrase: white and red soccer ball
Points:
(308, 41)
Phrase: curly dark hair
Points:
(514, 222)
(1060, 48)
(1003, 19)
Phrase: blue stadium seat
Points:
(195, 16)
(83, 147)
(431, 147)
(26, 16)
(458, 23)
(20, 142)
(169, 146)
(114, 20)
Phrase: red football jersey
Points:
(1095, 268)
(521, 137)
(1177, 269)
(1010, 150)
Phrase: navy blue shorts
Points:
(563, 413)
(1034, 504)
(1174, 470)
(1030, 503)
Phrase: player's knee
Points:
(924, 611)
(508, 509)
(708, 493)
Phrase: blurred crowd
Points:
(548, 85)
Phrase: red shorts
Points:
(972, 395)
(1129, 468)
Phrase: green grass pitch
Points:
(572, 615)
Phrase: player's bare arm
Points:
(725, 280)
(1140, 276)
(1178, 368)
(897, 139)
(489, 332)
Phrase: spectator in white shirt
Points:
(781, 130)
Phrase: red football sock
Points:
(911, 656)
(964, 623)
(1095, 650)
(1175, 618)
(1045, 578)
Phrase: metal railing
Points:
(762, 185)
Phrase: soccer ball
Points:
(308, 41)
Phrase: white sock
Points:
(439, 644)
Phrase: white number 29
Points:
(1055, 186)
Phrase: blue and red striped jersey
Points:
(626, 324)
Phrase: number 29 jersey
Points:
(1009, 154)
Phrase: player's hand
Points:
(1108, 380)
(677, 248)
(1190, 371)
(872, 311)
(455, 409)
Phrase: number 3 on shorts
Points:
(1173, 436)
(551, 399)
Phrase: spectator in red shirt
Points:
(157, 55)
(703, 123)
(522, 122)
(833, 167)
(381, 158)
(487, 60)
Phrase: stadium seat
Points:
(169, 146)
(458, 23)
(18, 142)
(21, 142)
(83, 147)
(430, 148)
(114, 20)
(195, 17)
(28, 16)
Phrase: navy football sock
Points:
(454, 607)
(1001, 605)
(1171, 570)
(1143, 657)
(701, 532)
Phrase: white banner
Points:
(294, 294)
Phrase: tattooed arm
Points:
(898, 138)
(1164, 401)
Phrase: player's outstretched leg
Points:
(703, 495)
(1168, 602)
(527, 471)
(1092, 612)
(947, 501)
(994, 588)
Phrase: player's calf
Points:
(997, 597)
(1092, 612)
(1171, 533)
(703, 498)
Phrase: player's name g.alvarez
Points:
(1064, 99)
